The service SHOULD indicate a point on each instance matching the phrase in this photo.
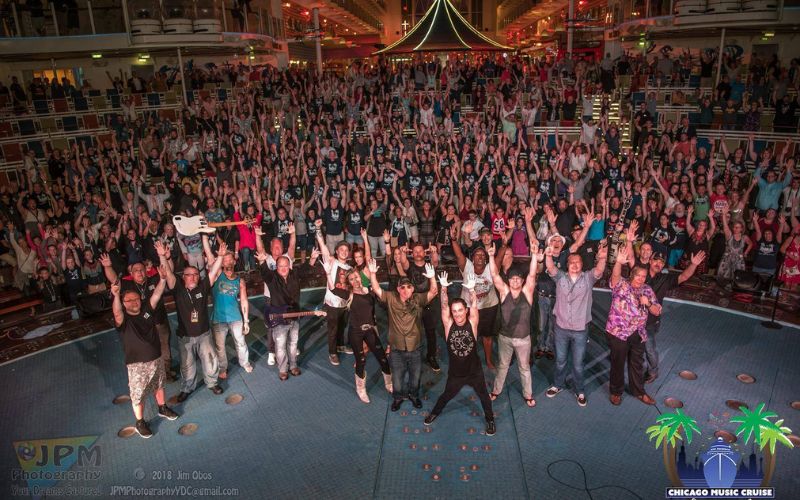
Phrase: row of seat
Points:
(111, 99)
(47, 126)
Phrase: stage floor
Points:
(310, 437)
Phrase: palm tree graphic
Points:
(667, 432)
(756, 425)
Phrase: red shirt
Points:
(499, 226)
(719, 202)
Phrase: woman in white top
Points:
(477, 271)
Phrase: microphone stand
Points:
(772, 324)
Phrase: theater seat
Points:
(5, 129)
(80, 103)
(41, 107)
(37, 147)
(91, 122)
(69, 123)
(26, 127)
(48, 124)
(12, 152)
(60, 106)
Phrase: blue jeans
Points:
(193, 348)
(286, 345)
(566, 340)
(546, 323)
(248, 259)
(402, 363)
(354, 238)
(220, 331)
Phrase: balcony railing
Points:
(145, 17)
(636, 10)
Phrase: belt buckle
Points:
(364, 328)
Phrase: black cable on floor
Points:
(585, 487)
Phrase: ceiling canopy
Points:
(442, 29)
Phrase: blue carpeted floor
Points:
(310, 437)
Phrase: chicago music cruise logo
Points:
(719, 470)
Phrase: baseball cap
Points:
(484, 229)
(404, 281)
(659, 256)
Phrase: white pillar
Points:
(183, 78)
(570, 26)
(17, 26)
(719, 59)
(224, 17)
(127, 19)
(91, 17)
(317, 39)
(55, 19)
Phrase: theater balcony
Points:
(514, 15)
(116, 26)
(357, 16)
(627, 15)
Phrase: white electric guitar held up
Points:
(190, 226)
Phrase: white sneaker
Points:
(271, 359)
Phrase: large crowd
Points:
(380, 167)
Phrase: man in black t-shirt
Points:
(135, 321)
(415, 270)
(662, 283)
(192, 296)
(138, 281)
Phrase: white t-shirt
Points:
(484, 287)
(426, 117)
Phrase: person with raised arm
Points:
(415, 270)
(404, 312)
(192, 298)
(631, 302)
(478, 266)
(364, 331)
(460, 323)
(140, 282)
(276, 251)
(284, 295)
(230, 315)
(336, 267)
(516, 301)
(662, 283)
(135, 319)
(572, 312)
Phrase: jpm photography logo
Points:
(47, 462)
(727, 465)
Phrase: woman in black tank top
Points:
(363, 330)
(461, 326)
